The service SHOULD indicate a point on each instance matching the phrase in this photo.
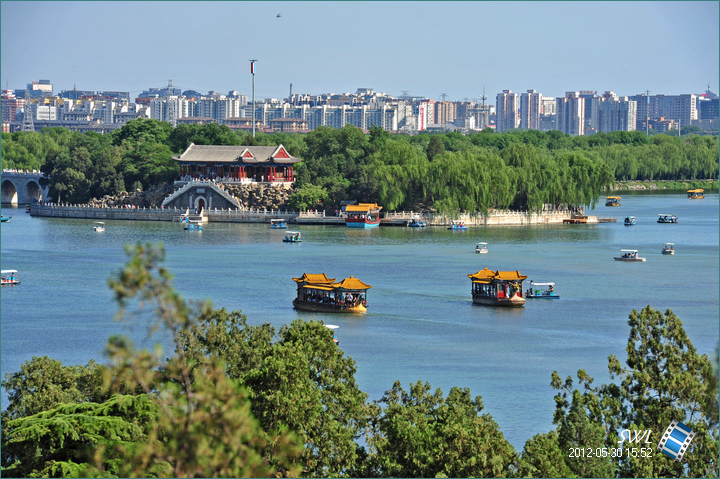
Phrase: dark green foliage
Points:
(62, 441)
(302, 382)
(435, 147)
(543, 456)
(42, 383)
(665, 379)
(142, 130)
(422, 434)
(208, 134)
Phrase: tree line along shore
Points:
(440, 172)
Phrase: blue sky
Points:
(427, 48)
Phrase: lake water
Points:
(421, 323)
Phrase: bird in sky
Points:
(278, 15)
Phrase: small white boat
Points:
(667, 218)
(278, 223)
(668, 248)
(292, 237)
(458, 225)
(333, 328)
(99, 226)
(481, 248)
(630, 255)
(7, 277)
(541, 291)
(193, 225)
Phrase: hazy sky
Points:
(427, 48)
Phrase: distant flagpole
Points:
(252, 71)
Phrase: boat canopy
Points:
(99, 223)
(669, 244)
(488, 276)
(696, 191)
(628, 251)
(277, 220)
(8, 271)
(481, 244)
(351, 283)
(661, 214)
(613, 197)
(362, 208)
(314, 278)
(542, 284)
(322, 282)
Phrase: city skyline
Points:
(425, 48)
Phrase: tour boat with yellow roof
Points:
(612, 200)
(318, 293)
(497, 288)
(696, 194)
(364, 215)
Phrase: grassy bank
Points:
(666, 185)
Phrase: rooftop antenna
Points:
(252, 71)
(647, 112)
(444, 96)
(405, 94)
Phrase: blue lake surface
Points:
(421, 323)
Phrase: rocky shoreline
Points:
(255, 196)
(665, 185)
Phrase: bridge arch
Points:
(9, 192)
(33, 191)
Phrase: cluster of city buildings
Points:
(577, 113)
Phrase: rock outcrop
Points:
(151, 197)
(260, 196)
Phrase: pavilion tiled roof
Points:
(236, 154)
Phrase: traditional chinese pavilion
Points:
(238, 163)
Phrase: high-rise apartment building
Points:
(570, 117)
(592, 105)
(680, 108)
(616, 113)
(10, 105)
(530, 109)
(507, 111)
(445, 112)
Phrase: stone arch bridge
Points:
(20, 187)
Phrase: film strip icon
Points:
(676, 440)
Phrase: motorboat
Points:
(612, 200)
(481, 248)
(193, 225)
(333, 328)
(668, 248)
(458, 225)
(416, 222)
(696, 194)
(630, 255)
(629, 221)
(8, 277)
(278, 223)
(318, 293)
(5, 219)
(667, 218)
(497, 288)
(99, 226)
(541, 291)
(292, 237)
